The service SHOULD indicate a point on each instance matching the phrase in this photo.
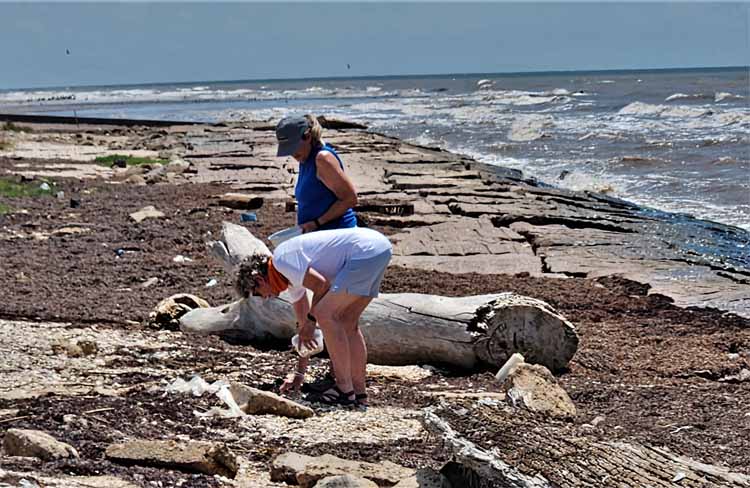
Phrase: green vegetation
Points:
(128, 160)
(12, 189)
(4, 209)
(10, 126)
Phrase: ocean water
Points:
(676, 140)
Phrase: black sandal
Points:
(332, 396)
(319, 385)
(358, 397)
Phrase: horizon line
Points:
(387, 77)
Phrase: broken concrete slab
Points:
(35, 443)
(304, 470)
(258, 402)
(148, 212)
(189, 456)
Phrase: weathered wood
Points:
(404, 328)
(556, 459)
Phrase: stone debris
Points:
(295, 468)
(407, 373)
(345, 481)
(148, 212)
(424, 478)
(35, 443)
(532, 386)
(241, 201)
(190, 456)
(168, 312)
(75, 349)
(34, 480)
(258, 402)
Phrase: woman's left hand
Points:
(309, 227)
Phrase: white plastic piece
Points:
(305, 352)
(278, 237)
(509, 366)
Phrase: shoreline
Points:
(647, 372)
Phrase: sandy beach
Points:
(663, 360)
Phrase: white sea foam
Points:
(693, 96)
(530, 127)
(721, 96)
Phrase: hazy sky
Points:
(127, 43)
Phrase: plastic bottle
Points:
(305, 352)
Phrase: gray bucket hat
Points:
(289, 133)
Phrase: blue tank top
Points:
(314, 198)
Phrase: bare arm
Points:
(333, 177)
(319, 285)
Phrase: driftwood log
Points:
(403, 328)
(573, 462)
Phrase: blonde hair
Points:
(316, 130)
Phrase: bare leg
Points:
(357, 346)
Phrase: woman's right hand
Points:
(309, 227)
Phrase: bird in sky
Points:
(348, 66)
(67, 51)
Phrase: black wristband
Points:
(310, 317)
(317, 223)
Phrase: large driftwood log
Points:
(578, 463)
(404, 328)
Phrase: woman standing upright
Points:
(325, 194)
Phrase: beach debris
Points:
(149, 282)
(177, 166)
(248, 217)
(532, 387)
(148, 212)
(345, 481)
(44, 186)
(190, 456)
(743, 375)
(181, 259)
(75, 349)
(211, 283)
(679, 476)
(295, 468)
(241, 201)
(75, 202)
(167, 313)
(258, 402)
(405, 373)
(60, 195)
(197, 386)
(35, 443)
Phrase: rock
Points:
(157, 174)
(293, 468)
(168, 312)
(88, 347)
(190, 456)
(149, 282)
(258, 402)
(177, 166)
(35, 443)
(424, 478)
(65, 346)
(345, 481)
(135, 180)
(241, 201)
(149, 212)
(532, 386)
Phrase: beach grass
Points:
(4, 209)
(13, 189)
(129, 160)
(11, 127)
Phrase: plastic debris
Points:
(211, 283)
(44, 186)
(305, 352)
(679, 476)
(248, 217)
(197, 386)
(181, 259)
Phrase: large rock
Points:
(241, 201)
(34, 443)
(532, 386)
(425, 478)
(168, 312)
(345, 481)
(258, 402)
(304, 470)
(192, 456)
(149, 212)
